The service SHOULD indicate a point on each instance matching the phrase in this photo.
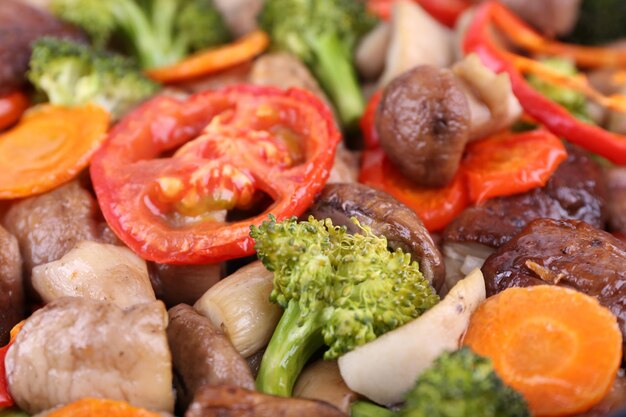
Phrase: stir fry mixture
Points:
(312, 208)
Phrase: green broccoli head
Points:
(72, 74)
(348, 288)
(323, 34)
(574, 101)
(159, 32)
(462, 384)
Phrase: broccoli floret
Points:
(323, 34)
(72, 74)
(160, 32)
(575, 102)
(600, 21)
(337, 289)
(458, 384)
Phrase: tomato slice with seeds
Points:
(216, 150)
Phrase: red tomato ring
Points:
(233, 129)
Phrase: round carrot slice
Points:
(49, 146)
(560, 348)
(97, 407)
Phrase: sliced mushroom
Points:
(11, 293)
(386, 216)
(322, 381)
(229, 401)
(416, 39)
(385, 369)
(493, 106)
(424, 121)
(97, 271)
(202, 355)
(75, 348)
(239, 305)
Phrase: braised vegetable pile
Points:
(258, 208)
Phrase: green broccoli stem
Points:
(366, 409)
(292, 345)
(334, 68)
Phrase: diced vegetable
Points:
(48, 147)
(99, 407)
(337, 289)
(72, 74)
(160, 32)
(386, 368)
(560, 348)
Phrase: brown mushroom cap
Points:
(385, 216)
(423, 122)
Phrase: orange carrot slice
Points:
(560, 348)
(49, 146)
(212, 60)
(97, 407)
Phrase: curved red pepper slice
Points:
(5, 396)
(228, 146)
(553, 116)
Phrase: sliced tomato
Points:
(509, 163)
(436, 207)
(368, 121)
(12, 106)
(170, 164)
(49, 146)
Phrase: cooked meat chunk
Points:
(385, 216)
(575, 191)
(11, 293)
(75, 348)
(228, 401)
(98, 271)
(616, 204)
(202, 355)
(49, 225)
(20, 25)
(176, 284)
(552, 17)
(563, 252)
(424, 121)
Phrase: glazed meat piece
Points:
(424, 122)
(229, 401)
(75, 348)
(385, 216)
(616, 204)
(49, 225)
(176, 284)
(98, 271)
(563, 252)
(20, 25)
(11, 293)
(202, 355)
(575, 191)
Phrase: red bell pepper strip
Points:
(170, 164)
(436, 207)
(509, 164)
(5, 396)
(12, 106)
(445, 11)
(368, 122)
(480, 40)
